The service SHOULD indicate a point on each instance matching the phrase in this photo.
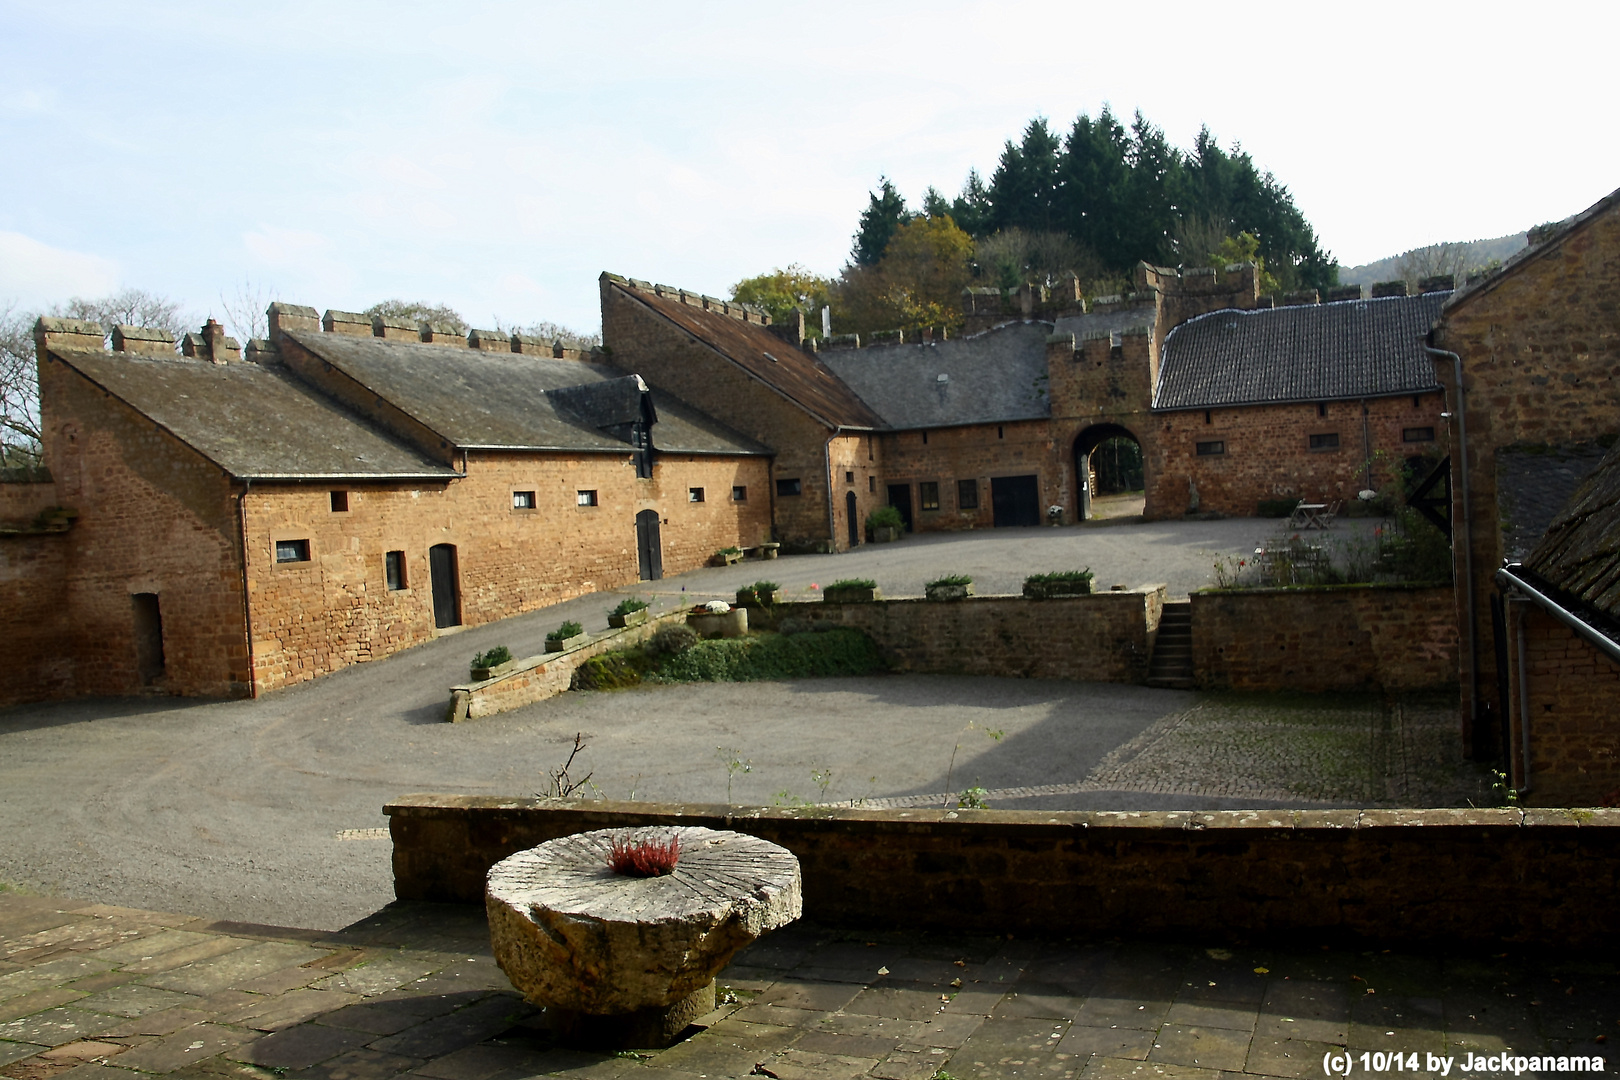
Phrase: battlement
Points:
(284, 317)
(984, 307)
(56, 333)
(211, 344)
(1239, 278)
(142, 339)
(730, 308)
(927, 335)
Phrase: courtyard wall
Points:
(1571, 689)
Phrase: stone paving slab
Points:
(412, 993)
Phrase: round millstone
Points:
(576, 937)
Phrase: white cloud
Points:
(36, 274)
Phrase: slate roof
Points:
(1533, 484)
(496, 400)
(1312, 352)
(254, 422)
(998, 375)
(1580, 555)
(795, 373)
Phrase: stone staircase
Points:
(1172, 663)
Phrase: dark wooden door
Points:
(649, 546)
(900, 499)
(1015, 500)
(852, 511)
(149, 662)
(446, 593)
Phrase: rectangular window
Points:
(585, 498)
(925, 438)
(1321, 408)
(1328, 441)
(871, 483)
(394, 570)
(292, 551)
(849, 477)
(694, 494)
(1417, 434)
(340, 502)
(788, 487)
(928, 494)
(739, 493)
(1001, 432)
(523, 500)
(1212, 449)
(1209, 417)
(967, 494)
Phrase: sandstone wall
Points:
(1348, 637)
(40, 659)
(979, 453)
(1538, 877)
(1574, 739)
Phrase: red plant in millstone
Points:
(643, 857)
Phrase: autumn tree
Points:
(918, 282)
(782, 290)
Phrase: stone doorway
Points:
(649, 546)
(446, 588)
(1110, 473)
(149, 660)
(852, 513)
(900, 499)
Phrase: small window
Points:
(340, 502)
(739, 493)
(523, 500)
(1001, 432)
(1321, 408)
(1329, 441)
(849, 477)
(871, 483)
(1417, 401)
(788, 487)
(967, 494)
(394, 570)
(1212, 449)
(585, 498)
(292, 551)
(1209, 417)
(694, 494)
(928, 494)
(1417, 434)
(925, 438)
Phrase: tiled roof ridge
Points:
(1539, 245)
(732, 308)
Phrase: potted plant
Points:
(759, 594)
(852, 591)
(492, 664)
(884, 525)
(726, 556)
(951, 587)
(632, 611)
(570, 635)
(1058, 583)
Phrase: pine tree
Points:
(884, 213)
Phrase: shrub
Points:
(840, 651)
(495, 657)
(885, 517)
(1277, 508)
(672, 640)
(628, 605)
(952, 579)
(854, 583)
(766, 587)
(1061, 575)
(732, 550)
(566, 630)
(635, 856)
(616, 670)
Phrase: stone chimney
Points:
(76, 334)
(211, 344)
(283, 317)
(393, 329)
(489, 340)
(346, 322)
(1382, 289)
(1438, 283)
(438, 333)
(142, 339)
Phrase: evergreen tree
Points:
(885, 212)
(1024, 187)
(971, 209)
(1094, 177)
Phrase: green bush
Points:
(672, 640)
(629, 604)
(885, 517)
(1277, 508)
(756, 593)
(952, 579)
(766, 587)
(617, 670)
(732, 550)
(854, 583)
(1061, 575)
(840, 651)
(566, 630)
(1415, 550)
(495, 657)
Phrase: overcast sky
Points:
(498, 157)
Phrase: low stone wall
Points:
(1343, 637)
(536, 678)
(1103, 637)
(1543, 877)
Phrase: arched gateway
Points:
(1107, 461)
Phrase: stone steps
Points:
(1172, 663)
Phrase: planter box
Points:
(725, 558)
(851, 596)
(886, 534)
(948, 592)
(750, 598)
(1051, 590)
(564, 644)
(634, 618)
(733, 623)
(480, 674)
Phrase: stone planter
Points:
(768, 551)
(628, 962)
(1052, 590)
(886, 534)
(634, 618)
(564, 644)
(725, 558)
(733, 623)
(750, 598)
(480, 674)
(851, 596)
(948, 592)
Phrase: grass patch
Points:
(836, 652)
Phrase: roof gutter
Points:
(1510, 576)
(361, 477)
(1466, 534)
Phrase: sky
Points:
(498, 157)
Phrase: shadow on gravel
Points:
(86, 710)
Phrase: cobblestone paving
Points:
(91, 992)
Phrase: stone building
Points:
(239, 526)
(1530, 361)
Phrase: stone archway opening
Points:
(1108, 467)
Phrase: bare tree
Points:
(130, 307)
(419, 311)
(1014, 257)
(1198, 239)
(245, 310)
(19, 390)
(550, 331)
(1433, 261)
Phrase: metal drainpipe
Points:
(1366, 442)
(1467, 536)
(1524, 707)
(247, 596)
